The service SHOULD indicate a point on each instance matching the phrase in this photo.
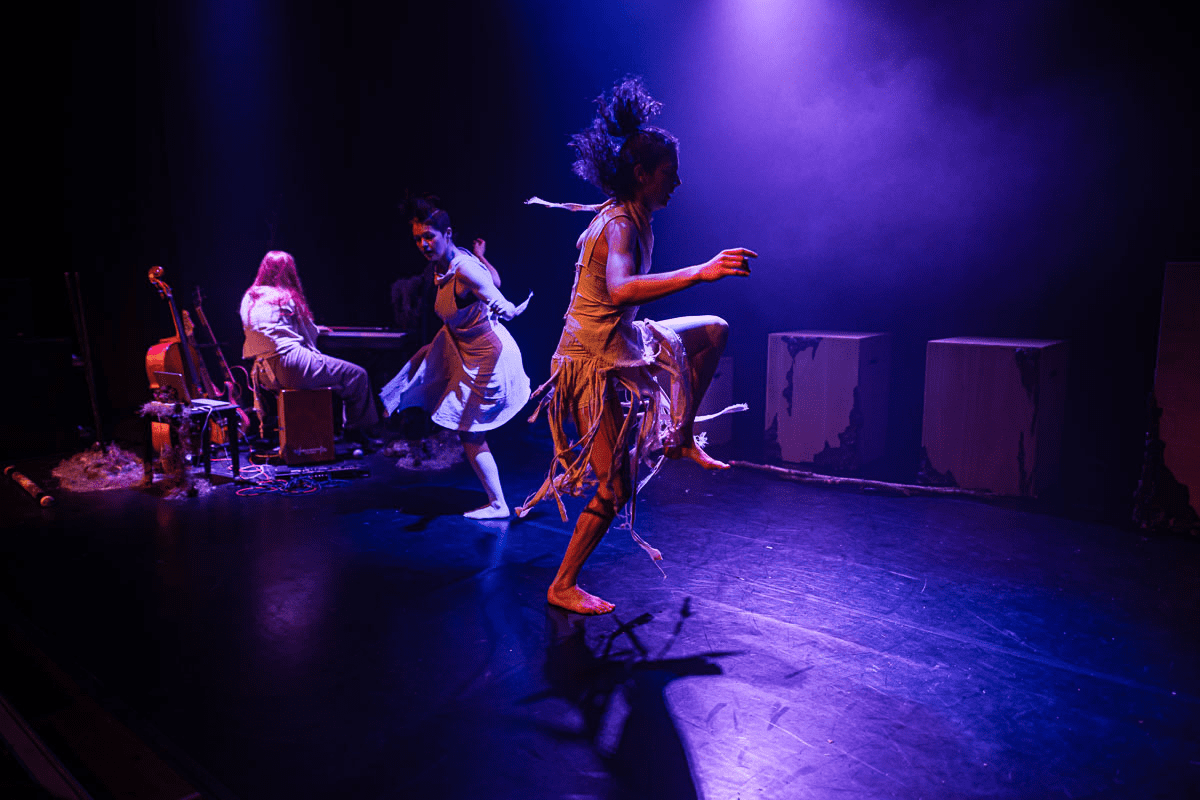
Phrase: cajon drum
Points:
(306, 426)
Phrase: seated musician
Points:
(281, 337)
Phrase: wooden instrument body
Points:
(178, 354)
(166, 356)
(187, 355)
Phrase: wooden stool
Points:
(827, 397)
(994, 411)
(200, 413)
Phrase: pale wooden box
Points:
(994, 411)
(827, 397)
(1177, 376)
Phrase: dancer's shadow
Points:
(427, 503)
(620, 693)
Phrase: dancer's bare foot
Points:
(575, 599)
(494, 510)
(694, 452)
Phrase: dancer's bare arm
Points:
(627, 288)
(479, 247)
(476, 279)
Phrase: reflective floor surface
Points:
(364, 640)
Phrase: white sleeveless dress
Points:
(470, 377)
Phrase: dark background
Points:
(929, 169)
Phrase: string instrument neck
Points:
(191, 373)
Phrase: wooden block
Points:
(718, 396)
(827, 397)
(994, 411)
(1177, 379)
(306, 426)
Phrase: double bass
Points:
(180, 354)
(176, 354)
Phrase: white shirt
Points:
(272, 324)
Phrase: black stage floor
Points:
(365, 641)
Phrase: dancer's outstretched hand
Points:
(505, 310)
(727, 263)
(502, 310)
(523, 306)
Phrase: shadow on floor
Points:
(620, 693)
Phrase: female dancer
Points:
(281, 337)
(470, 377)
(664, 368)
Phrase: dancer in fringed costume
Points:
(470, 378)
(630, 388)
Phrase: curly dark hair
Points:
(619, 139)
(426, 210)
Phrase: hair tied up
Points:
(629, 106)
(426, 209)
(619, 139)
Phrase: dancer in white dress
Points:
(470, 378)
(661, 369)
